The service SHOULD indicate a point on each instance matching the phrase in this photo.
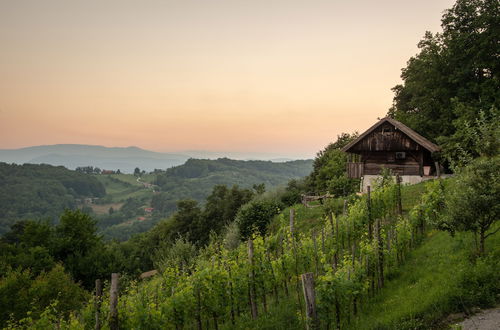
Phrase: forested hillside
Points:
(41, 191)
(196, 178)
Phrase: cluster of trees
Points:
(41, 263)
(196, 223)
(196, 168)
(41, 191)
(328, 174)
(138, 172)
(95, 170)
(88, 169)
(329, 169)
(450, 88)
(196, 178)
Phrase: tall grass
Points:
(442, 276)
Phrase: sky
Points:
(281, 77)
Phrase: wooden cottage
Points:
(393, 145)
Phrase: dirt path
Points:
(486, 320)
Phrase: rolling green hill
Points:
(192, 180)
(196, 177)
(41, 191)
(44, 191)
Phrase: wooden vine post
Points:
(316, 258)
(398, 195)
(275, 289)
(371, 274)
(198, 309)
(113, 302)
(380, 255)
(369, 212)
(294, 247)
(97, 303)
(253, 303)
(231, 298)
(312, 321)
(283, 268)
(330, 218)
(323, 239)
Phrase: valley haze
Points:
(126, 159)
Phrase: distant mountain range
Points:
(125, 159)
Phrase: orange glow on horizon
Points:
(282, 77)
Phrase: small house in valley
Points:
(391, 144)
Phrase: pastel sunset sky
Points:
(281, 77)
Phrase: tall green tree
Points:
(222, 205)
(137, 171)
(79, 247)
(472, 202)
(455, 74)
(187, 221)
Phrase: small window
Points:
(401, 155)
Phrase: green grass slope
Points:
(437, 279)
(442, 276)
(120, 187)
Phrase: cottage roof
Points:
(403, 128)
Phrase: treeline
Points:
(88, 169)
(193, 180)
(450, 88)
(41, 191)
(196, 177)
(196, 223)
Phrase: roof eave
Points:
(419, 139)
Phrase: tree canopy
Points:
(41, 191)
(472, 202)
(329, 169)
(454, 77)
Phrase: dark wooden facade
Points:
(390, 144)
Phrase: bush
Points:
(480, 284)
(21, 295)
(255, 216)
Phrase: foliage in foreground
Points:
(353, 259)
(344, 253)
